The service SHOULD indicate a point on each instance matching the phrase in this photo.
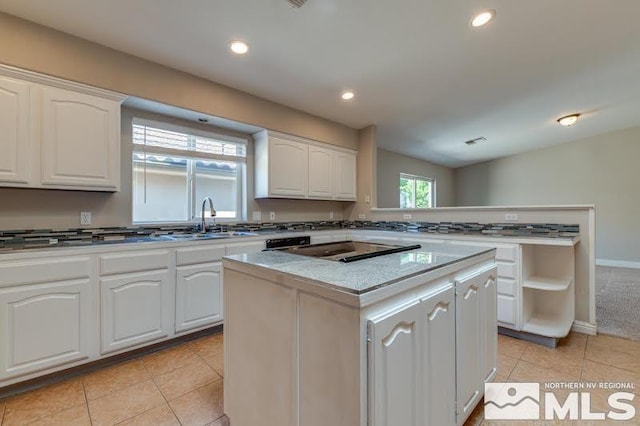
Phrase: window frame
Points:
(194, 207)
(416, 178)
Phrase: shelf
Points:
(550, 325)
(547, 283)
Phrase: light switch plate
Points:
(85, 218)
(330, 215)
(272, 215)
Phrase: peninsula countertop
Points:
(362, 276)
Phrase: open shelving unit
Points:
(548, 291)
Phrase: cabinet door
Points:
(395, 367)
(508, 311)
(468, 344)
(135, 309)
(288, 168)
(80, 140)
(489, 303)
(345, 176)
(14, 131)
(198, 296)
(320, 172)
(44, 325)
(438, 346)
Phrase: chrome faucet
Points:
(203, 223)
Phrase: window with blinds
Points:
(175, 168)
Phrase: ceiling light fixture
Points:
(347, 95)
(483, 18)
(239, 47)
(568, 120)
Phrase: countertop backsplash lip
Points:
(22, 238)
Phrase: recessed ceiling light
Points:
(239, 47)
(347, 95)
(483, 18)
(568, 120)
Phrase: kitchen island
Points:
(402, 339)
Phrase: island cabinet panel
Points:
(198, 296)
(473, 325)
(14, 128)
(412, 362)
(489, 333)
(262, 327)
(135, 309)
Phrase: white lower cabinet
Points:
(198, 296)
(45, 307)
(411, 362)
(476, 338)
(136, 309)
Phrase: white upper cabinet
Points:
(14, 128)
(58, 134)
(292, 167)
(80, 140)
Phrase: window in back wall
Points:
(417, 192)
(175, 167)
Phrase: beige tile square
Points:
(125, 403)
(505, 366)
(102, 382)
(75, 416)
(165, 361)
(209, 346)
(526, 372)
(159, 416)
(511, 347)
(200, 406)
(217, 363)
(185, 379)
(566, 357)
(31, 406)
(614, 351)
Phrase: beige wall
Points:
(38, 48)
(391, 164)
(601, 170)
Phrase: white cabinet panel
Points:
(288, 163)
(14, 131)
(321, 172)
(133, 261)
(507, 286)
(198, 296)
(345, 175)
(489, 325)
(46, 325)
(135, 309)
(80, 140)
(508, 311)
(199, 254)
(395, 368)
(507, 270)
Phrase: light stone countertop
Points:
(365, 275)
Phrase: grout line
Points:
(86, 401)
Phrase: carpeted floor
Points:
(618, 301)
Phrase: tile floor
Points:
(577, 358)
(183, 385)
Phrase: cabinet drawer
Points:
(506, 286)
(202, 254)
(507, 270)
(42, 271)
(506, 253)
(507, 311)
(146, 260)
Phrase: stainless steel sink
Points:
(187, 237)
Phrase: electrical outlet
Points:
(362, 216)
(406, 216)
(330, 215)
(511, 216)
(272, 215)
(85, 218)
(257, 216)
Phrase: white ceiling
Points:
(421, 74)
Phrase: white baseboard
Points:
(618, 263)
(584, 328)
